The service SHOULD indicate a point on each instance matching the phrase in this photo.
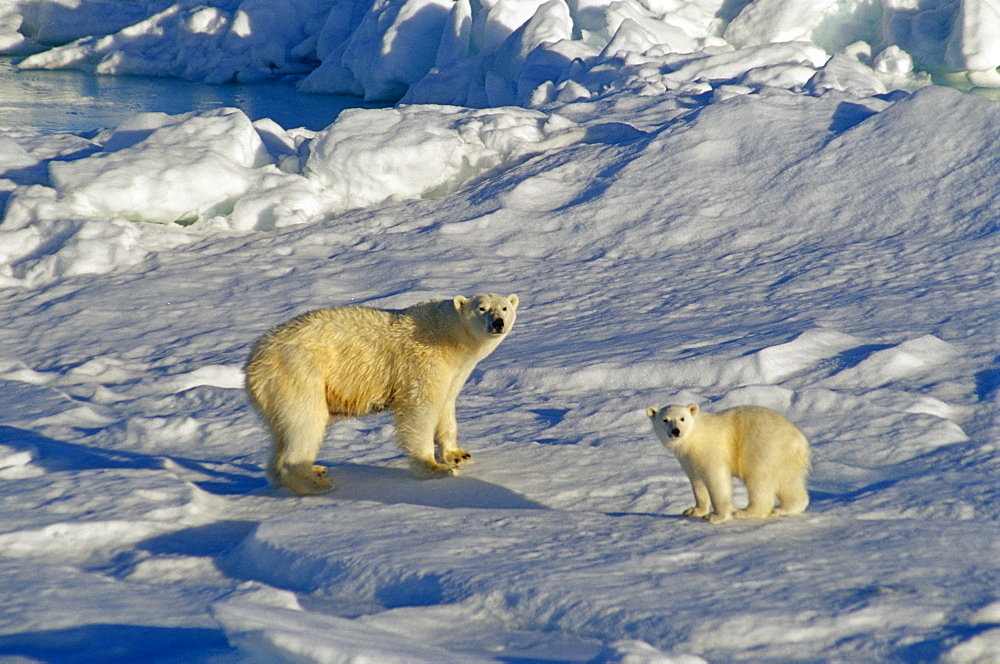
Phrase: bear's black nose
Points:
(675, 432)
(498, 325)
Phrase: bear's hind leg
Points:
(794, 498)
(297, 446)
(762, 495)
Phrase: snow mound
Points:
(368, 156)
(189, 168)
(217, 171)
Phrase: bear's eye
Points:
(482, 310)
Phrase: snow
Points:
(499, 52)
(691, 209)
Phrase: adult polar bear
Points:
(353, 361)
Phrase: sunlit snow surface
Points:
(827, 253)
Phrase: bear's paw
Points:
(432, 469)
(716, 518)
(305, 480)
(696, 511)
(455, 457)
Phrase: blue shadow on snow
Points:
(58, 456)
(111, 643)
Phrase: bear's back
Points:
(756, 426)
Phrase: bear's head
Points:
(673, 422)
(487, 314)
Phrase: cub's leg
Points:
(793, 496)
(720, 490)
(762, 493)
(703, 504)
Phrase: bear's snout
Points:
(675, 432)
(497, 325)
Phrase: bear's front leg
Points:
(415, 427)
(446, 438)
(703, 504)
(720, 490)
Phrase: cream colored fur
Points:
(353, 361)
(769, 454)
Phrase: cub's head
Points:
(673, 423)
(488, 314)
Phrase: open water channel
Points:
(51, 101)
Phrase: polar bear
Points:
(352, 361)
(769, 454)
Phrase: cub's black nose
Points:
(498, 325)
(675, 432)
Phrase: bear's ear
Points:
(694, 409)
(651, 412)
(459, 301)
(513, 300)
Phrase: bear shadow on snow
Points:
(387, 485)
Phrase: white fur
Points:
(353, 361)
(769, 454)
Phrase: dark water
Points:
(50, 101)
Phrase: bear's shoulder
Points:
(432, 314)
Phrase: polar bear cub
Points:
(769, 454)
(353, 361)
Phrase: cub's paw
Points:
(718, 518)
(752, 514)
(455, 457)
(696, 511)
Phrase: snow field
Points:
(712, 257)
(831, 255)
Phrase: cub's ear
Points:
(651, 412)
(513, 300)
(693, 408)
(459, 301)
